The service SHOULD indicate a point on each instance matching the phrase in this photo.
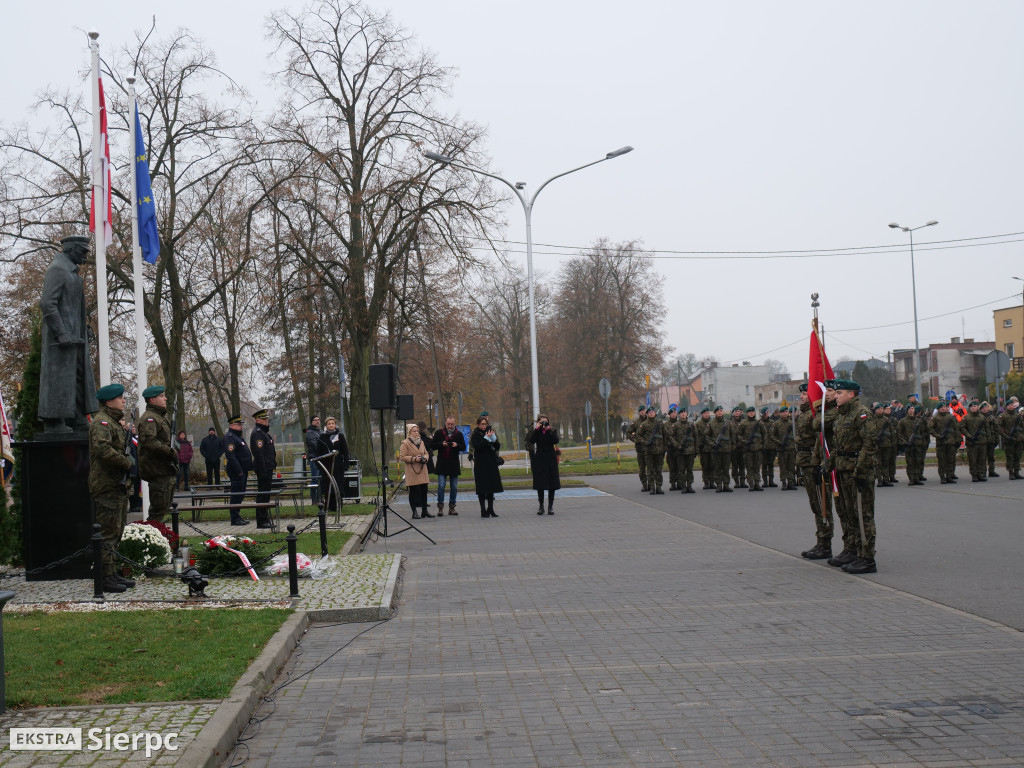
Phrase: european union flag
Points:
(149, 237)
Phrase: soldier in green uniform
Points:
(687, 437)
(672, 454)
(719, 434)
(707, 456)
(158, 461)
(946, 431)
(782, 437)
(1011, 429)
(914, 438)
(736, 459)
(819, 495)
(829, 483)
(109, 467)
(975, 430)
(853, 458)
(650, 438)
(770, 450)
(641, 456)
(992, 438)
(890, 468)
(885, 447)
(749, 437)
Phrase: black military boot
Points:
(861, 565)
(113, 584)
(842, 559)
(818, 552)
(689, 489)
(540, 508)
(658, 491)
(993, 473)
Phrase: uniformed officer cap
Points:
(154, 391)
(110, 391)
(705, 409)
(82, 240)
(234, 419)
(848, 385)
(262, 413)
(803, 387)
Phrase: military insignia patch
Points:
(104, 423)
(150, 419)
(259, 443)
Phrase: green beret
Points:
(672, 408)
(736, 408)
(719, 408)
(705, 409)
(751, 409)
(942, 404)
(848, 385)
(154, 391)
(803, 387)
(110, 391)
(831, 383)
(262, 413)
(764, 410)
(234, 419)
(876, 406)
(784, 409)
(642, 409)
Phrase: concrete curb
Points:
(218, 736)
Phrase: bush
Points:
(145, 545)
(213, 560)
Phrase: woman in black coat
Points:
(485, 465)
(545, 462)
(332, 439)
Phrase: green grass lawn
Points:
(62, 659)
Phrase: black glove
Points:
(862, 484)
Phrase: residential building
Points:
(958, 366)
(1009, 327)
(730, 385)
(777, 393)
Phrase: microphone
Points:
(325, 456)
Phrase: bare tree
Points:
(358, 113)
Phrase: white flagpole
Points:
(99, 184)
(140, 320)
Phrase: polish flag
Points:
(108, 232)
(818, 369)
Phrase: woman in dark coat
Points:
(332, 439)
(545, 462)
(485, 465)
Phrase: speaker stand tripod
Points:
(379, 524)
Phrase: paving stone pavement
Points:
(615, 634)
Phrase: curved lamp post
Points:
(519, 187)
(913, 283)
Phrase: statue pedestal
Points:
(57, 514)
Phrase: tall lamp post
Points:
(527, 202)
(913, 283)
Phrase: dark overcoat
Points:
(446, 458)
(66, 366)
(485, 464)
(545, 460)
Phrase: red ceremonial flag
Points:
(818, 369)
(108, 232)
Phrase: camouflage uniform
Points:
(749, 437)
(855, 448)
(886, 446)
(109, 480)
(770, 450)
(737, 461)
(818, 486)
(650, 438)
(158, 461)
(672, 454)
(641, 457)
(946, 431)
(890, 474)
(975, 431)
(1011, 429)
(707, 456)
(913, 437)
(992, 441)
(687, 436)
(719, 437)
(782, 437)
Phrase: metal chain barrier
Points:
(49, 566)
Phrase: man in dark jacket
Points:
(158, 461)
(212, 448)
(449, 442)
(238, 462)
(264, 462)
(313, 433)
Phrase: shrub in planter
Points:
(145, 545)
(213, 560)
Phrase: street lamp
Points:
(518, 188)
(913, 283)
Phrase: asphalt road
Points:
(959, 545)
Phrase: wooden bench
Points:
(199, 503)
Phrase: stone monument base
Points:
(57, 513)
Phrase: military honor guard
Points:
(641, 455)
(707, 456)
(783, 433)
(672, 447)
(946, 431)
(975, 431)
(238, 461)
(687, 438)
(749, 436)
(650, 438)
(109, 468)
(913, 437)
(264, 462)
(770, 451)
(158, 460)
(719, 435)
(1011, 429)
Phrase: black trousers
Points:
(237, 494)
(212, 474)
(263, 483)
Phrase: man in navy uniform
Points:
(239, 462)
(264, 462)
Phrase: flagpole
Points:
(140, 319)
(99, 202)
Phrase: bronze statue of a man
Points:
(67, 390)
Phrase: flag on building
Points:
(818, 368)
(6, 454)
(149, 237)
(108, 232)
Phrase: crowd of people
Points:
(844, 459)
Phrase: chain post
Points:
(97, 562)
(322, 515)
(293, 568)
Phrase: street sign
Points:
(997, 365)
(605, 388)
(586, 408)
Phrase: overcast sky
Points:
(795, 127)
